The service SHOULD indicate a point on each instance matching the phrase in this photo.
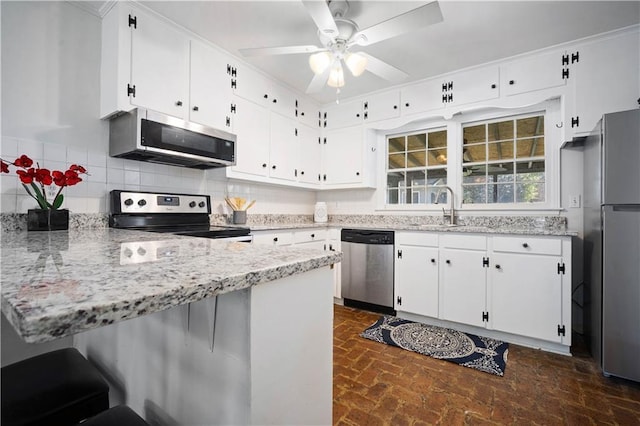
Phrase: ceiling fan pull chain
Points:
(338, 95)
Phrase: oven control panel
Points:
(151, 202)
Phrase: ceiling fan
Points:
(339, 36)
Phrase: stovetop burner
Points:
(181, 214)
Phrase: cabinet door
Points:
(525, 295)
(210, 93)
(273, 238)
(473, 86)
(536, 73)
(309, 153)
(462, 286)
(251, 85)
(343, 115)
(159, 66)
(307, 113)
(251, 125)
(602, 88)
(342, 156)
(421, 97)
(416, 280)
(334, 245)
(283, 147)
(381, 106)
(281, 100)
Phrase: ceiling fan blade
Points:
(284, 50)
(383, 69)
(409, 21)
(321, 15)
(318, 82)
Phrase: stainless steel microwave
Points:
(146, 135)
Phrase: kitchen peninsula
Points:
(219, 332)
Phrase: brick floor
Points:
(377, 384)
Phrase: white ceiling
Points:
(472, 33)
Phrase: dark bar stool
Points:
(120, 415)
(57, 388)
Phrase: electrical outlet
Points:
(574, 201)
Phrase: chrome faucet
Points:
(452, 212)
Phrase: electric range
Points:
(180, 214)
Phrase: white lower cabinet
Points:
(519, 287)
(416, 273)
(463, 278)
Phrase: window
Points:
(503, 161)
(416, 167)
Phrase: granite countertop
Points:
(59, 283)
(474, 229)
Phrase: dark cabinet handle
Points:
(264, 164)
(275, 101)
(275, 239)
(302, 172)
(407, 104)
(497, 266)
(395, 107)
(357, 115)
(178, 103)
(448, 262)
(357, 173)
(195, 108)
(302, 114)
(525, 245)
(433, 261)
(273, 167)
(512, 82)
(266, 96)
(493, 86)
(313, 235)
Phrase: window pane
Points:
(396, 144)
(395, 179)
(532, 126)
(500, 131)
(530, 147)
(392, 196)
(500, 193)
(474, 174)
(437, 157)
(530, 171)
(437, 176)
(416, 142)
(530, 192)
(397, 161)
(474, 153)
(416, 178)
(474, 194)
(502, 172)
(416, 159)
(474, 134)
(438, 139)
(500, 150)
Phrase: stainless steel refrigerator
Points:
(612, 243)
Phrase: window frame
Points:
(551, 109)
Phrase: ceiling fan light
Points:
(336, 76)
(356, 63)
(319, 62)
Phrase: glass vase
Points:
(47, 220)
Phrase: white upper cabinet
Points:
(251, 124)
(283, 147)
(381, 106)
(538, 72)
(471, 86)
(258, 88)
(210, 94)
(606, 80)
(342, 158)
(344, 114)
(421, 97)
(307, 112)
(309, 155)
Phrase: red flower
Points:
(4, 167)
(23, 161)
(43, 176)
(68, 178)
(77, 168)
(27, 176)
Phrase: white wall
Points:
(50, 109)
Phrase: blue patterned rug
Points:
(481, 353)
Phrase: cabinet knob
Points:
(497, 266)
(448, 262)
(525, 245)
(512, 82)
(275, 101)
(273, 167)
(264, 164)
(266, 96)
(433, 261)
(395, 107)
(301, 172)
(302, 114)
(178, 103)
(357, 115)
(407, 104)
(275, 239)
(313, 235)
(357, 173)
(493, 86)
(195, 108)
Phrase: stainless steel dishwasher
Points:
(367, 269)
